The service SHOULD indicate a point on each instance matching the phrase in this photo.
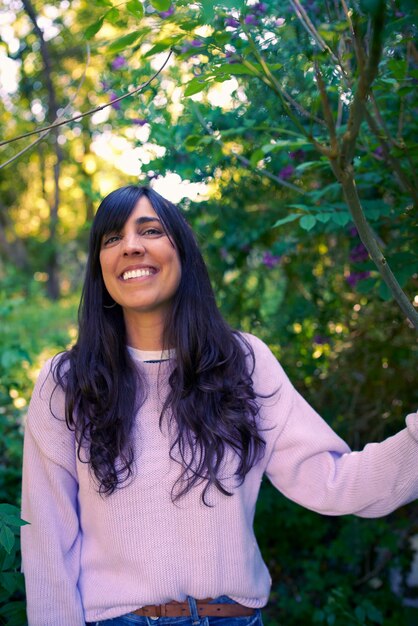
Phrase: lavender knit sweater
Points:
(89, 558)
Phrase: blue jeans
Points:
(137, 620)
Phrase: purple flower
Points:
(270, 260)
(250, 20)
(138, 121)
(231, 21)
(223, 253)
(298, 155)
(280, 21)
(320, 340)
(352, 231)
(286, 172)
(118, 62)
(358, 253)
(354, 277)
(378, 152)
(399, 14)
(168, 13)
(112, 98)
(260, 8)
(231, 55)
(195, 43)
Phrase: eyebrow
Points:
(144, 220)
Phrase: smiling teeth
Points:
(136, 274)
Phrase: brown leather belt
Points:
(204, 609)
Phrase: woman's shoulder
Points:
(265, 362)
(256, 345)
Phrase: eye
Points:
(153, 232)
(109, 239)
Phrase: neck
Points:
(144, 331)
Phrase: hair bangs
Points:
(114, 211)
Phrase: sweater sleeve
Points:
(310, 464)
(51, 539)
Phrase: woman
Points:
(146, 443)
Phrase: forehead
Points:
(143, 208)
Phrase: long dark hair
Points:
(211, 396)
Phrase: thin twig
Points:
(309, 26)
(357, 46)
(91, 111)
(329, 119)
(245, 161)
(44, 134)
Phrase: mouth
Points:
(138, 273)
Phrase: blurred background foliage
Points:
(250, 127)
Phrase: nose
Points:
(132, 244)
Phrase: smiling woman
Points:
(146, 443)
(141, 271)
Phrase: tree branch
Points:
(310, 28)
(365, 81)
(91, 111)
(351, 196)
(329, 119)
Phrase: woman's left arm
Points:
(311, 465)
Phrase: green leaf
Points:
(256, 157)
(94, 28)
(7, 538)
(135, 8)
(366, 285)
(10, 581)
(307, 222)
(340, 218)
(384, 292)
(112, 15)
(194, 86)
(285, 220)
(374, 614)
(161, 5)
(360, 614)
(323, 217)
(124, 42)
(238, 69)
(163, 44)
(208, 8)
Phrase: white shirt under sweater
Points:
(91, 558)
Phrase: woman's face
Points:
(140, 266)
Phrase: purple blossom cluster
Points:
(354, 277)
(260, 8)
(118, 62)
(232, 22)
(358, 254)
(112, 97)
(138, 121)
(320, 340)
(251, 20)
(188, 45)
(270, 260)
(286, 172)
(298, 155)
(168, 13)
